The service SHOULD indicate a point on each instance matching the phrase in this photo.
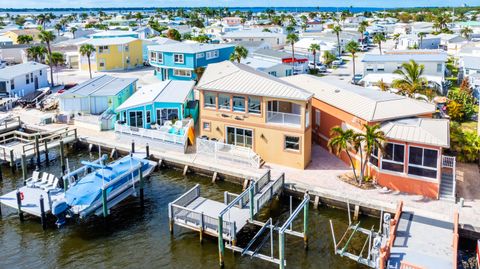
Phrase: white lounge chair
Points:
(49, 182)
(178, 124)
(34, 179)
(44, 180)
(167, 123)
(52, 186)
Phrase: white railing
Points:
(221, 151)
(156, 135)
(451, 162)
(284, 118)
(267, 194)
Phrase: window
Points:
(200, 55)
(254, 105)
(178, 58)
(27, 78)
(165, 114)
(31, 77)
(126, 48)
(288, 72)
(369, 68)
(12, 84)
(212, 54)
(40, 72)
(239, 137)
(224, 101)
(160, 57)
(206, 125)
(292, 143)
(317, 117)
(149, 117)
(103, 49)
(273, 73)
(124, 114)
(307, 116)
(239, 103)
(102, 64)
(374, 157)
(393, 157)
(380, 67)
(209, 100)
(136, 118)
(439, 68)
(422, 162)
(182, 73)
(153, 56)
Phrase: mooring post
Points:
(37, 149)
(43, 217)
(24, 169)
(65, 183)
(170, 217)
(221, 247)
(201, 228)
(147, 151)
(12, 161)
(104, 202)
(305, 221)
(251, 198)
(75, 134)
(62, 157)
(46, 153)
(1, 173)
(19, 205)
(133, 146)
(281, 249)
(356, 212)
(140, 174)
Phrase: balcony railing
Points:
(284, 118)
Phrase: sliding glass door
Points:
(239, 137)
(136, 118)
(164, 114)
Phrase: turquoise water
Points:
(135, 237)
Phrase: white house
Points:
(23, 79)
(275, 40)
(414, 41)
(271, 67)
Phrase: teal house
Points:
(153, 105)
(178, 61)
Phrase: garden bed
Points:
(350, 179)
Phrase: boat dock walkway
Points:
(206, 216)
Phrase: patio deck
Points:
(31, 201)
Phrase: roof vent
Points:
(337, 90)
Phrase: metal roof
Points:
(434, 132)
(184, 47)
(108, 41)
(168, 91)
(471, 63)
(101, 86)
(239, 78)
(405, 57)
(113, 33)
(368, 104)
(250, 33)
(14, 71)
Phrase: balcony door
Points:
(239, 137)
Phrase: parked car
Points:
(356, 78)
(320, 67)
(337, 62)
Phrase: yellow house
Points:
(119, 53)
(14, 34)
(249, 108)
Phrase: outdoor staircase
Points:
(447, 188)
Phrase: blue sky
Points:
(247, 3)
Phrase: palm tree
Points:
(421, 35)
(314, 48)
(372, 138)
(36, 53)
(73, 30)
(396, 37)
(292, 38)
(342, 140)
(47, 37)
(58, 27)
(466, 32)
(56, 59)
(328, 58)
(378, 39)
(239, 53)
(24, 39)
(353, 48)
(362, 28)
(87, 50)
(337, 29)
(412, 80)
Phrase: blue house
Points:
(178, 61)
(155, 104)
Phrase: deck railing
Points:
(267, 194)
(451, 163)
(408, 265)
(222, 151)
(188, 197)
(284, 118)
(262, 181)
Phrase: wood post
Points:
(221, 247)
(251, 198)
(133, 146)
(185, 170)
(46, 153)
(1, 173)
(281, 249)
(43, 217)
(19, 205)
(356, 212)
(316, 202)
(104, 203)
(214, 177)
(62, 157)
(147, 151)
(24, 169)
(12, 161)
(305, 223)
(201, 228)
(37, 149)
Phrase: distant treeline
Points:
(436, 9)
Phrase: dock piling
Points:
(12, 161)
(46, 153)
(133, 146)
(104, 203)
(214, 177)
(62, 157)
(221, 247)
(305, 223)
(43, 217)
(316, 202)
(140, 174)
(356, 212)
(201, 228)
(348, 211)
(147, 151)
(1, 172)
(24, 169)
(281, 249)
(170, 218)
(19, 205)
(37, 149)
(185, 170)
(252, 198)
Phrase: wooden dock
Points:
(31, 200)
(10, 124)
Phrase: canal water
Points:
(133, 237)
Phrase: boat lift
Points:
(374, 240)
(286, 228)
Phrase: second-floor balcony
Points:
(284, 113)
